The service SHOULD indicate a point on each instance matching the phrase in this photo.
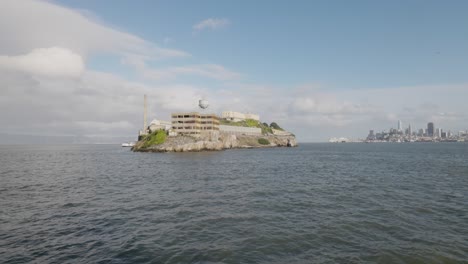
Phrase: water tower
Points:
(203, 104)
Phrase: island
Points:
(195, 131)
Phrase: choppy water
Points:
(319, 203)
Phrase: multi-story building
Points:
(194, 123)
(430, 129)
(371, 135)
(421, 132)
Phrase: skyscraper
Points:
(430, 129)
(421, 132)
(400, 125)
(371, 135)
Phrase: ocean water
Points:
(318, 203)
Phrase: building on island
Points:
(194, 123)
(278, 132)
(239, 130)
(237, 116)
(159, 125)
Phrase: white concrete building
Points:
(280, 132)
(252, 116)
(159, 124)
(238, 130)
(237, 116)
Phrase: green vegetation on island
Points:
(275, 126)
(155, 138)
(263, 141)
(266, 129)
(243, 123)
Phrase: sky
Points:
(321, 69)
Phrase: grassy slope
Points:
(155, 138)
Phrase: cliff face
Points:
(216, 142)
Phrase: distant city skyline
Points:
(430, 134)
(317, 68)
(429, 127)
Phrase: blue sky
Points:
(318, 68)
(341, 44)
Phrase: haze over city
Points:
(72, 68)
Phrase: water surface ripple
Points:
(318, 203)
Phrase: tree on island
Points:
(275, 126)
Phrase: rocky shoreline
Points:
(215, 143)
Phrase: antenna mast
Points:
(144, 115)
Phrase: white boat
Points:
(128, 144)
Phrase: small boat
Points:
(128, 144)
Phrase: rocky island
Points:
(194, 131)
(160, 142)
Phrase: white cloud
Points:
(212, 71)
(211, 23)
(108, 127)
(80, 101)
(328, 106)
(55, 62)
(84, 102)
(103, 104)
(28, 24)
(360, 110)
